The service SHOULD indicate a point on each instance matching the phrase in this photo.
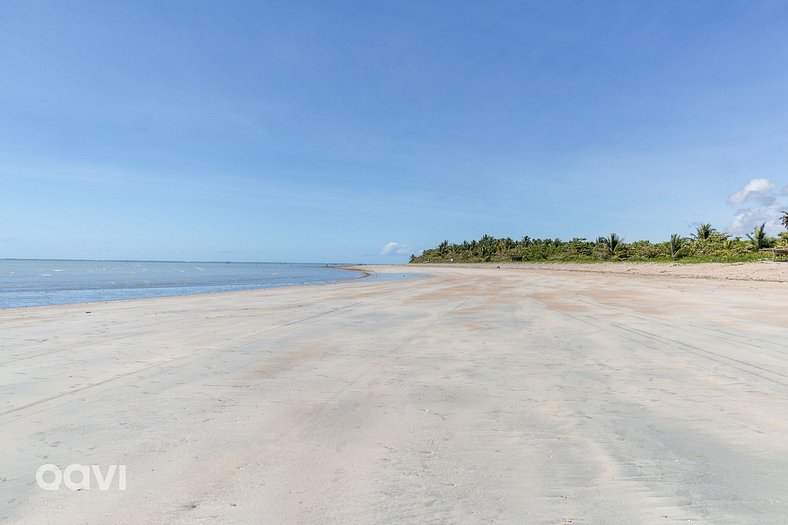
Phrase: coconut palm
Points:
(677, 242)
(784, 219)
(758, 237)
(703, 232)
(613, 243)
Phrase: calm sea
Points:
(48, 282)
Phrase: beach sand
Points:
(526, 394)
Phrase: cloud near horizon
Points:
(395, 248)
(764, 207)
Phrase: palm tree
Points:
(677, 242)
(784, 219)
(704, 232)
(758, 237)
(613, 243)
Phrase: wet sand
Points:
(516, 395)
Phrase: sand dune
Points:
(513, 395)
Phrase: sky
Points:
(335, 131)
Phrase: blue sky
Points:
(363, 132)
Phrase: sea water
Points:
(49, 282)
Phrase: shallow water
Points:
(49, 282)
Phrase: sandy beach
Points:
(524, 394)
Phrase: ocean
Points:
(51, 282)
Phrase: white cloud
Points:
(757, 190)
(764, 207)
(395, 248)
(746, 219)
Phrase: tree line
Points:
(705, 244)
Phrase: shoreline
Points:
(364, 274)
(760, 271)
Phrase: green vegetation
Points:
(675, 245)
(704, 232)
(706, 244)
(758, 237)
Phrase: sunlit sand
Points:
(516, 395)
